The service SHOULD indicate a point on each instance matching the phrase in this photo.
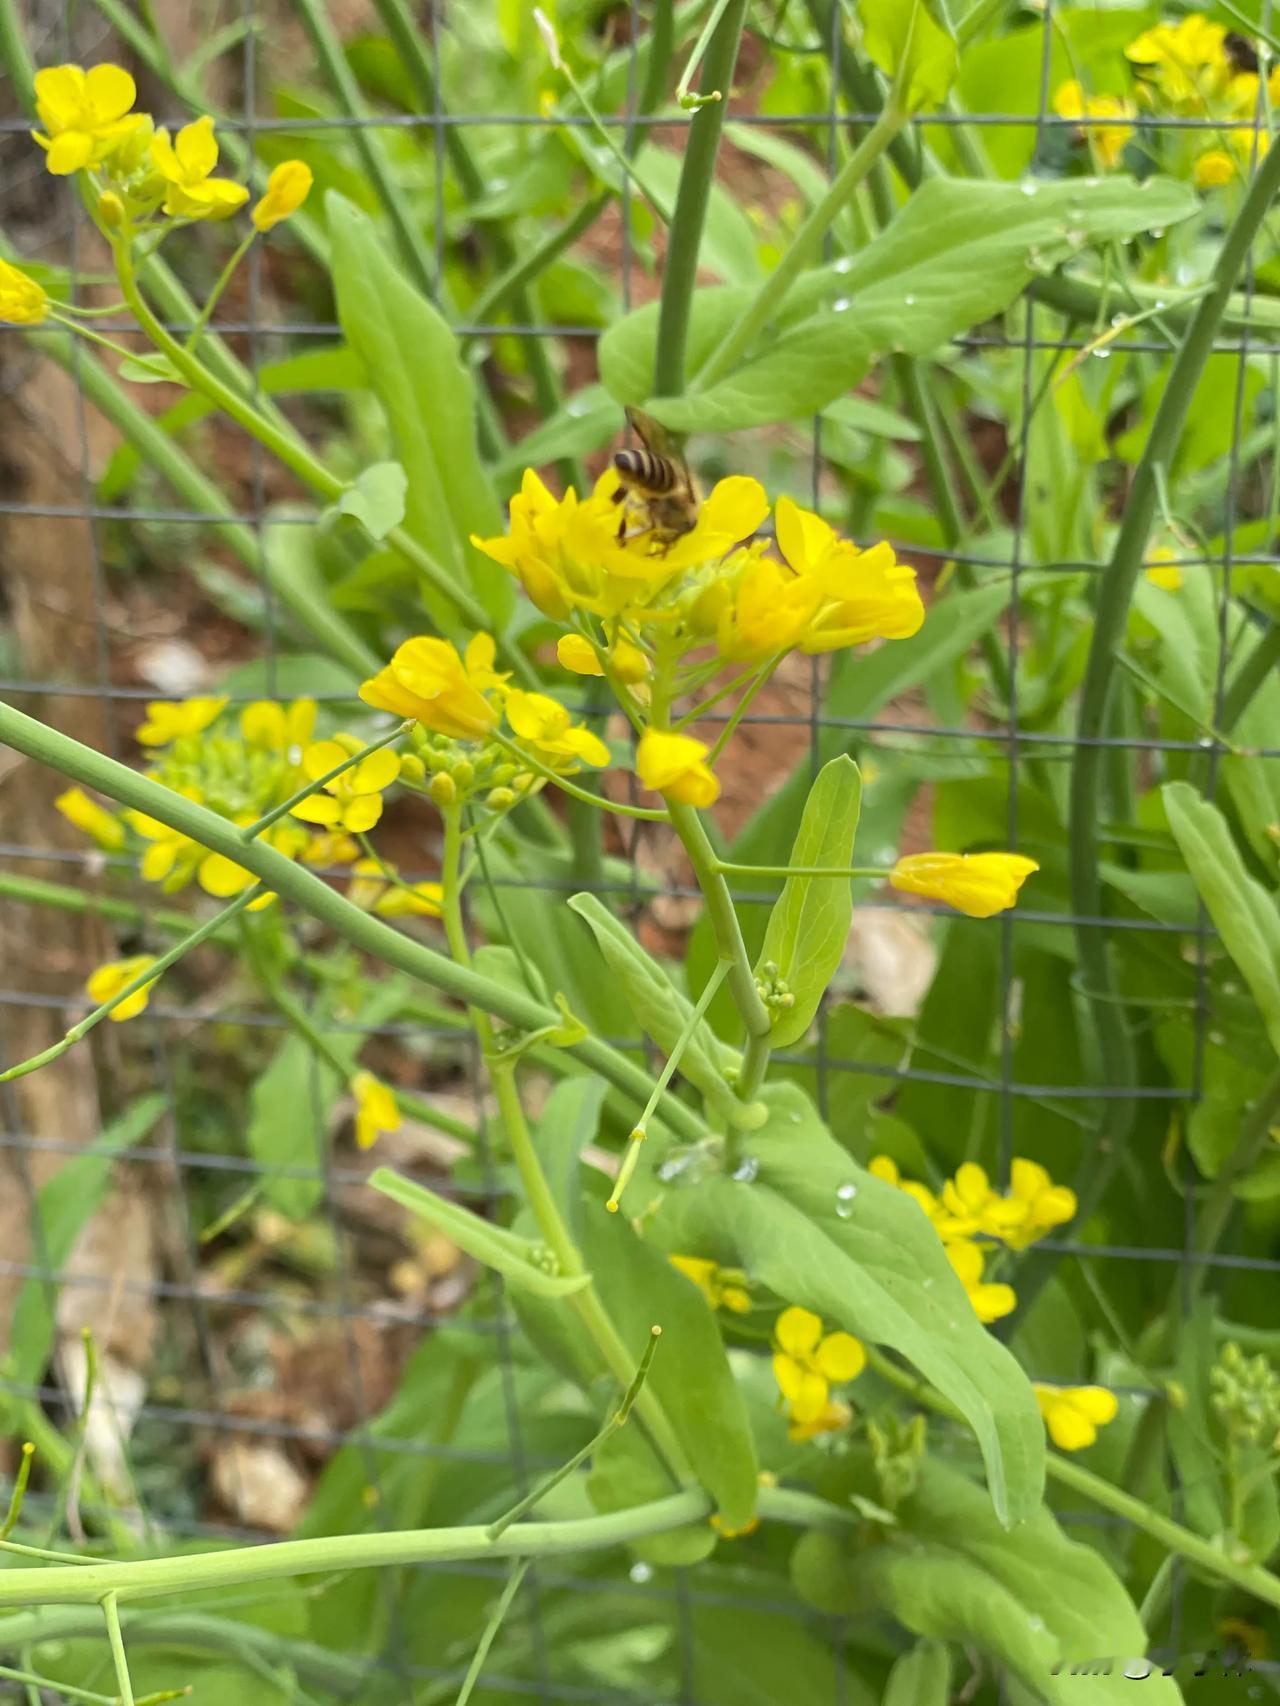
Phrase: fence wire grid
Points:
(62, 546)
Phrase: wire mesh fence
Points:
(96, 627)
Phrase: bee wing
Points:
(660, 442)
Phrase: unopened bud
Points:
(111, 210)
(412, 769)
(443, 789)
(500, 799)
(463, 772)
(522, 781)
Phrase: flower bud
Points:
(463, 772)
(412, 769)
(111, 210)
(443, 790)
(500, 799)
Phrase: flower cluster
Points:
(968, 1209)
(807, 1363)
(1194, 69)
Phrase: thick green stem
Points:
(294, 882)
(1117, 583)
(684, 240)
(804, 250)
(728, 933)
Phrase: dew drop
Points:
(1027, 187)
(1102, 354)
(1036, 1625)
(1119, 319)
(908, 301)
(641, 1573)
(746, 1170)
(844, 1200)
(1137, 1670)
(841, 304)
(844, 264)
(1157, 231)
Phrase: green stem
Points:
(729, 870)
(223, 280)
(65, 1689)
(804, 250)
(293, 882)
(111, 1611)
(697, 175)
(728, 934)
(491, 1628)
(1259, 667)
(1115, 1043)
(651, 814)
(152, 972)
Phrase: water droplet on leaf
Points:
(844, 1200)
(641, 1573)
(746, 1170)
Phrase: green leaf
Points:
(956, 254)
(376, 499)
(867, 1261)
(921, 1677)
(150, 370)
(568, 1122)
(1244, 913)
(1032, 1599)
(411, 358)
(512, 1257)
(65, 1204)
(660, 1010)
(809, 924)
(911, 41)
(626, 1472)
(690, 1374)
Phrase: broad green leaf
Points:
(1032, 1599)
(956, 254)
(912, 43)
(866, 1260)
(809, 924)
(411, 358)
(626, 1472)
(154, 369)
(297, 581)
(1245, 914)
(63, 1206)
(516, 1259)
(690, 1373)
(568, 1122)
(769, 1657)
(921, 1677)
(376, 499)
(660, 1010)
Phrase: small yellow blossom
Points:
(1162, 568)
(287, 188)
(990, 1301)
(107, 982)
(331, 847)
(886, 1168)
(224, 879)
(185, 164)
(1073, 1414)
(1212, 169)
(723, 1288)
(376, 1109)
(769, 610)
(1106, 140)
(544, 726)
(94, 820)
(575, 652)
(168, 721)
(373, 890)
(85, 114)
(674, 765)
(279, 728)
(427, 680)
(352, 800)
(864, 595)
(23, 302)
(1186, 62)
(977, 884)
(1033, 1206)
(807, 1363)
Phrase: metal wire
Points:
(172, 1161)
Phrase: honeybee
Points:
(1240, 51)
(655, 485)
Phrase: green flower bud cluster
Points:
(543, 1257)
(453, 771)
(773, 989)
(896, 1450)
(227, 774)
(1245, 1393)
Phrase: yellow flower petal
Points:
(87, 815)
(575, 652)
(376, 771)
(673, 764)
(109, 91)
(108, 980)
(69, 153)
(318, 808)
(196, 149)
(361, 813)
(287, 188)
(977, 884)
(222, 877)
(798, 1331)
(841, 1357)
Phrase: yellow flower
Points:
(352, 800)
(1044, 1204)
(833, 1418)
(575, 652)
(185, 165)
(372, 890)
(96, 822)
(1034, 1205)
(1073, 1414)
(977, 884)
(287, 188)
(1186, 61)
(168, 721)
(864, 595)
(673, 765)
(376, 1109)
(807, 1363)
(1212, 169)
(886, 1168)
(544, 725)
(1163, 568)
(427, 680)
(1106, 140)
(990, 1302)
(83, 113)
(107, 982)
(331, 847)
(224, 879)
(723, 1288)
(279, 728)
(770, 608)
(22, 301)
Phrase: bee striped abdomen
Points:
(643, 469)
